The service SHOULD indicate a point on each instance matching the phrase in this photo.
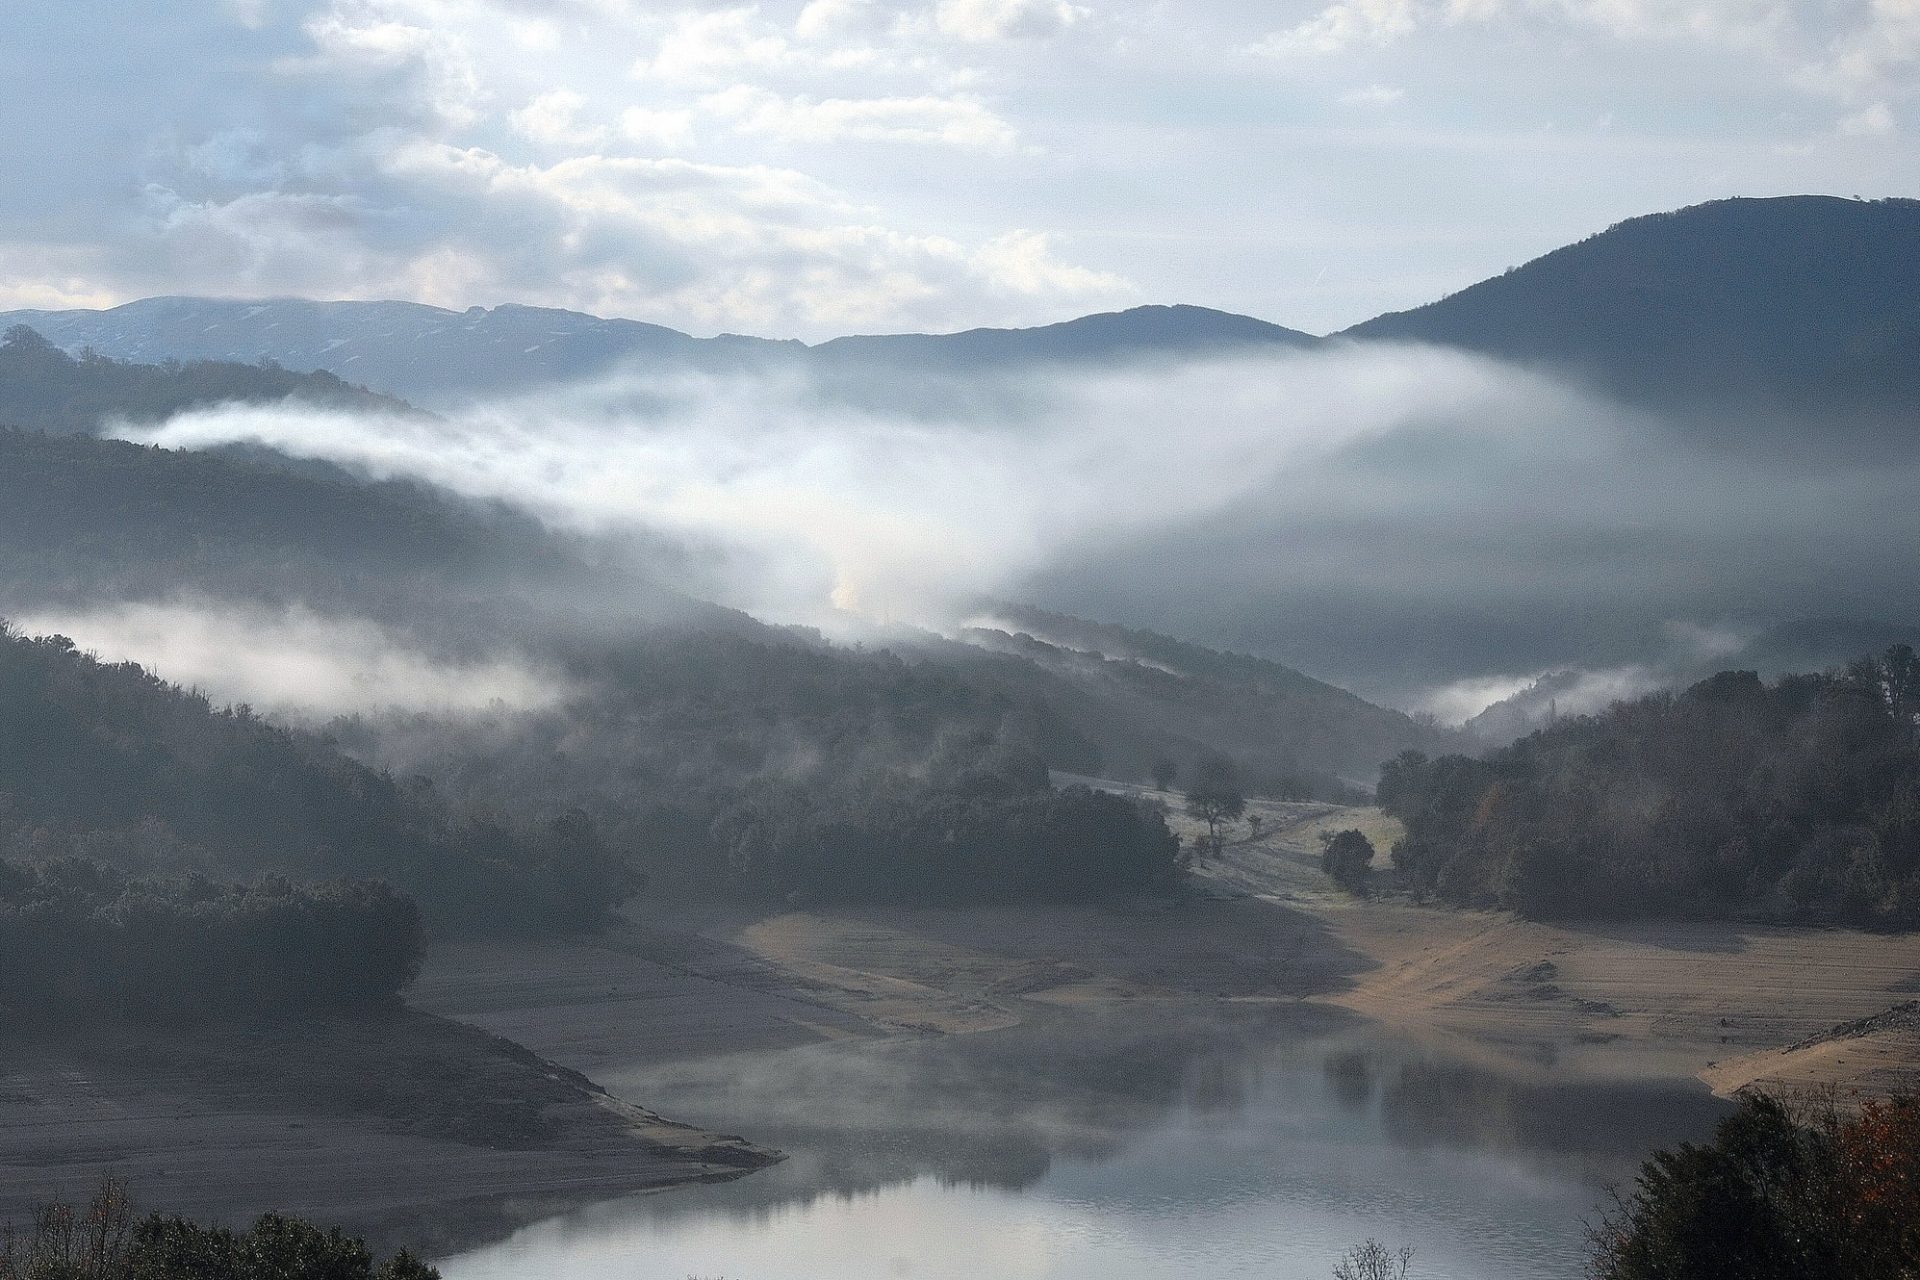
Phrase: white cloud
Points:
(1024, 262)
(667, 129)
(415, 38)
(950, 121)
(1868, 122)
(1374, 95)
(703, 47)
(1005, 19)
(1853, 52)
(554, 118)
(716, 245)
(821, 19)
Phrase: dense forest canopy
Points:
(81, 939)
(44, 387)
(1796, 800)
(108, 763)
(728, 764)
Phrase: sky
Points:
(805, 168)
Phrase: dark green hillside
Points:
(1798, 800)
(107, 763)
(44, 388)
(1807, 302)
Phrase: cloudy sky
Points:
(812, 167)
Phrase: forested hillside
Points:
(109, 764)
(1797, 800)
(43, 387)
(773, 764)
(82, 516)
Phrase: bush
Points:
(1776, 1195)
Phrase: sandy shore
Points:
(1659, 1000)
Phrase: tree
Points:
(1215, 798)
(1780, 1193)
(104, 1242)
(1164, 772)
(1347, 857)
(1373, 1261)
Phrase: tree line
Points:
(1796, 800)
(761, 767)
(81, 939)
(104, 1240)
(108, 763)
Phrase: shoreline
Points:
(1730, 1005)
(1710, 1001)
(410, 1129)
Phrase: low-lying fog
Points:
(1431, 528)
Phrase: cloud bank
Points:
(1400, 519)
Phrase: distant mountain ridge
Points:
(1810, 303)
(440, 358)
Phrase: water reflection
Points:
(1256, 1145)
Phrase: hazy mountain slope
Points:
(82, 516)
(442, 358)
(46, 389)
(109, 763)
(1142, 693)
(1141, 331)
(423, 353)
(1809, 302)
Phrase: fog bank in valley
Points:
(1432, 528)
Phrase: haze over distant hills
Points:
(441, 358)
(1520, 491)
(1801, 301)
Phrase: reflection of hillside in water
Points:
(1002, 1110)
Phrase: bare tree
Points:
(1374, 1261)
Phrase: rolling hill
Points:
(443, 358)
(1808, 303)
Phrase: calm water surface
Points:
(1258, 1146)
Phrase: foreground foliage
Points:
(1798, 800)
(1775, 1196)
(105, 1242)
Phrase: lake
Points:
(1257, 1144)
